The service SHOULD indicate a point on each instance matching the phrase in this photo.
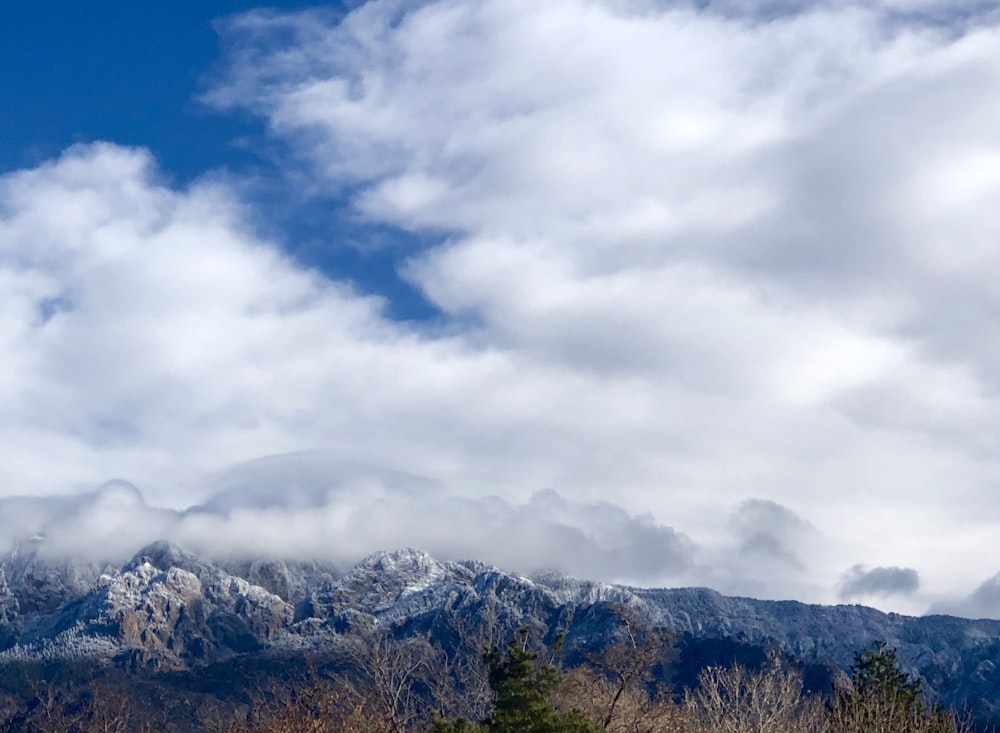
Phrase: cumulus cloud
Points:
(148, 329)
(184, 344)
(681, 255)
(860, 582)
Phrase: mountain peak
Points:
(163, 555)
(405, 558)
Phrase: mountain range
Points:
(167, 610)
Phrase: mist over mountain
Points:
(309, 507)
(356, 511)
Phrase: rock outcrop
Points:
(168, 609)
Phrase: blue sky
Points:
(672, 293)
(128, 72)
(133, 73)
(79, 72)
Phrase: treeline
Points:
(381, 684)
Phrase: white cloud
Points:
(305, 505)
(682, 257)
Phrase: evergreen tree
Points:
(884, 699)
(876, 672)
(522, 697)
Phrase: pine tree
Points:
(884, 699)
(522, 693)
(876, 672)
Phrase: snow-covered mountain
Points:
(168, 609)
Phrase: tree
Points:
(876, 672)
(393, 672)
(522, 697)
(883, 698)
(740, 700)
(618, 687)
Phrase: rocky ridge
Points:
(167, 609)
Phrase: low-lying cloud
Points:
(301, 506)
(770, 531)
(983, 602)
(861, 582)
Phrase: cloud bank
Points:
(983, 602)
(860, 582)
(683, 256)
(341, 512)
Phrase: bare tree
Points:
(312, 704)
(462, 689)
(635, 710)
(107, 708)
(630, 662)
(52, 709)
(392, 675)
(309, 707)
(617, 687)
(739, 700)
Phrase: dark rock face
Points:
(169, 610)
(165, 609)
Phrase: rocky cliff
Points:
(168, 610)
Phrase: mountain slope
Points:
(167, 609)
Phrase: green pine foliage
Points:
(522, 697)
(876, 672)
(459, 725)
(885, 699)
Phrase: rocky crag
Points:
(167, 609)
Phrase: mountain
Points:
(168, 610)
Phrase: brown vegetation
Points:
(384, 685)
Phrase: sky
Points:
(645, 291)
